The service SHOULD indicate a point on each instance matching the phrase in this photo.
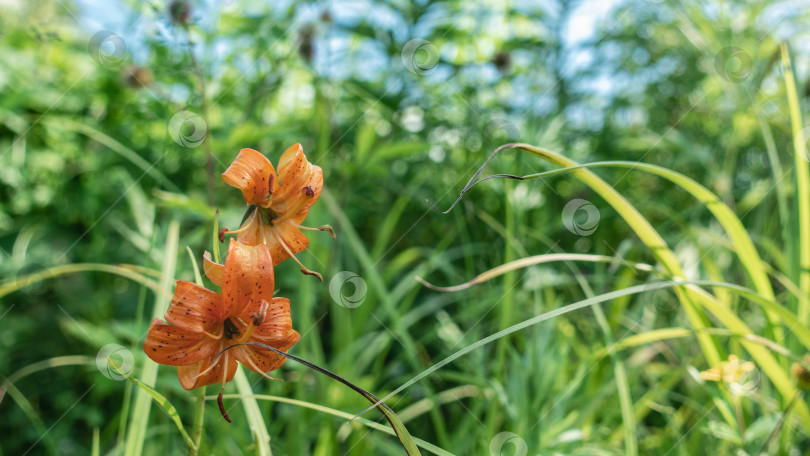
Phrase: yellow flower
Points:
(742, 378)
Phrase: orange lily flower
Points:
(202, 323)
(279, 203)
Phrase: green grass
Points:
(493, 320)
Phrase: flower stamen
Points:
(326, 228)
(244, 227)
(208, 369)
(309, 192)
(221, 390)
(212, 336)
(304, 269)
(256, 319)
(256, 368)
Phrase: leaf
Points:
(159, 399)
(139, 420)
(399, 429)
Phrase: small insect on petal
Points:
(309, 191)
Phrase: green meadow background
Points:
(116, 120)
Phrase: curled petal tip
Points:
(312, 273)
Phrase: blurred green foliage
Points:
(91, 173)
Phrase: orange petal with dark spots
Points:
(189, 378)
(291, 235)
(248, 276)
(301, 184)
(176, 346)
(195, 308)
(251, 172)
(276, 328)
(260, 359)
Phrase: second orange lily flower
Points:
(202, 323)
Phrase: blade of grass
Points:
(619, 370)
(525, 324)
(254, 416)
(59, 361)
(740, 240)
(766, 362)
(160, 400)
(197, 276)
(689, 298)
(95, 447)
(139, 420)
(377, 283)
(28, 409)
(401, 431)
(777, 175)
(648, 235)
(769, 305)
(348, 416)
(531, 261)
(802, 167)
(115, 146)
(12, 285)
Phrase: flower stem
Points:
(196, 435)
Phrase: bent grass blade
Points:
(159, 400)
(398, 427)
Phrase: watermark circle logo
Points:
(572, 217)
(662, 300)
(120, 356)
(187, 129)
(336, 289)
(501, 131)
(420, 57)
(504, 439)
(28, 279)
(741, 377)
(107, 48)
(733, 64)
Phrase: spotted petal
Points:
(275, 330)
(190, 377)
(177, 346)
(252, 173)
(248, 276)
(301, 184)
(195, 308)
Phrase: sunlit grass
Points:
(503, 320)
